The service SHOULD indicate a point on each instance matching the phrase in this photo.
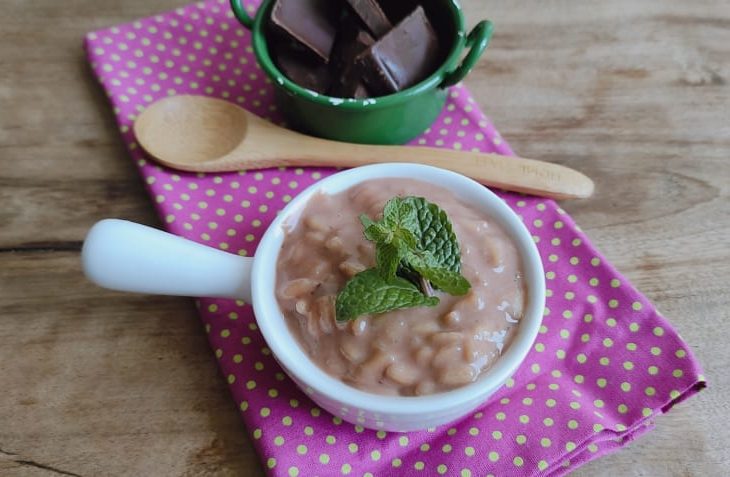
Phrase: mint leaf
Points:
(369, 293)
(366, 221)
(400, 217)
(387, 257)
(408, 239)
(392, 235)
(378, 233)
(435, 233)
(399, 214)
(375, 231)
(447, 280)
(452, 283)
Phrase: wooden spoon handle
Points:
(514, 174)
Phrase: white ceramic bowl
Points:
(211, 272)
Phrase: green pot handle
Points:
(240, 12)
(477, 40)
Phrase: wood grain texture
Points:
(93, 383)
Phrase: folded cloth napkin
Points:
(604, 365)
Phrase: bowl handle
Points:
(477, 40)
(125, 256)
(241, 14)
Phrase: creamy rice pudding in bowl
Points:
(397, 296)
(411, 368)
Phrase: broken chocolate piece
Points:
(312, 23)
(307, 73)
(372, 15)
(403, 57)
(346, 78)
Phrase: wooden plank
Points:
(101, 383)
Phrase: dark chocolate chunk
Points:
(372, 15)
(403, 57)
(346, 77)
(397, 10)
(312, 23)
(351, 40)
(308, 73)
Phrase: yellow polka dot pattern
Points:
(604, 361)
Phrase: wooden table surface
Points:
(92, 382)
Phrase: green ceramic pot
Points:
(392, 119)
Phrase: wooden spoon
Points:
(203, 134)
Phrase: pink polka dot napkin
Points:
(604, 365)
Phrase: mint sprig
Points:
(415, 250)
